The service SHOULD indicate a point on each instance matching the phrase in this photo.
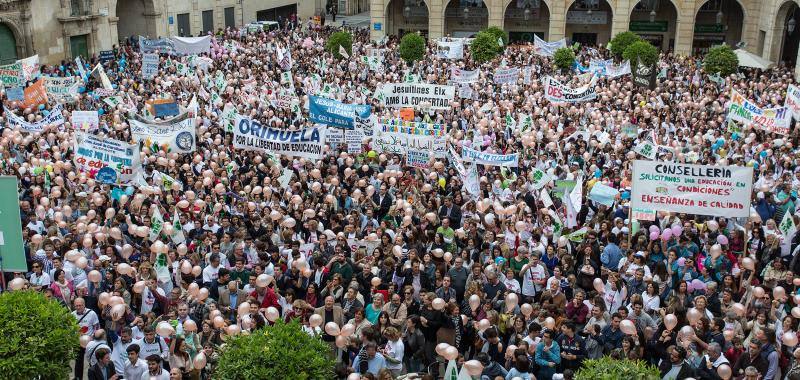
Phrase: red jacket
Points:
(270, 299)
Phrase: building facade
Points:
(63, 29)
(769, 28)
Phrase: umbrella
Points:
(748, 59)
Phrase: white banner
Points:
(450, 49)
(177, 133)
(793, 101)
(401, 95)
(694, 189)
(191, 45)
(397, 136)
(30, 67)
(503, 76)
(458, 75)
(63, 89)
(251, 135)
(93, 153)
(489, 159)
(558, 92)
(772, 120)
(547, 49)
(149, 65)
(54, 118)
(86, 121)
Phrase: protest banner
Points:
(489, 159)
(286, 99)
(603, 194)
(400, 95)
(149, 65)
(331, 112)
(54, 118)
(450, 49)
(614, 71)
(694, 189)
(539, 178)
(418, 158)
(160, 45)
(30, 67)
(558, 92)
(191, 45)
(105, 56)
(772, 120)
(178, 133)
(547, 49)
(12, 75)
(644, 75)
(458, 75)
(63, 89)
(86, 121)
(642, 214)
(251, 135)
(647, 149)
(334, 136)
(34, 95)
(793, 100)
(395, 136)
(503, 76)
(93, 153)
(166, 109)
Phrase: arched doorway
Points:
(787, 33)
(524, 18)
(655, 21)
(404, 16)
(465, 18)
(589, 22)
(136, 19)
(8, 45)
(717, 22)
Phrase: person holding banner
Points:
(663, 182)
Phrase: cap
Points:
(104, 258)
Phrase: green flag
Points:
(156, 224)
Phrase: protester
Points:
(514, 238)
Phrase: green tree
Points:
(412, 47)
(342, 38)
(621, 41)
(273, 353)
(484, 47)
(39, 337)
(564, 58)
(606, 368)
(641, 50)
(721, 59)
(498, 33)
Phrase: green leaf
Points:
(412, 47)
(344, 39)
(721, 59)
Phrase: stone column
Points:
(496, 12)
(684, 29)
(377, 12)
(436, 18)
(621, 16)
(558, 21)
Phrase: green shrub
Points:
(39, 337)
(721, 59)
(412, 47)
(498, 33)
(344, 39)
(564, 58)
(484, 47)
(606, 368)
(641, 50)
(275, 352)
(621, 41)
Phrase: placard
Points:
(178, 133)
(150, 63)
(558, 92)
(93, 153)
(331, 112)
(396, 136)
(417, 95)
(418, 158)
(694, 189)
(86, 121)
(489, 159)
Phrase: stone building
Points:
(63, 29)
(768, 28)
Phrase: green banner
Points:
(11, 249)
(647, 26)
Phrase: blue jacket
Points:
(611, 256)
(765, 209)
(543, 358)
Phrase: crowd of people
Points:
(395, 268)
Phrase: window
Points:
(208, 21)
(230, 20)
(184, 29)
(80, 7)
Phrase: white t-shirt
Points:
(148, 299)
(40, 280)
(395, 350)
(164, 375)
(529, 288)
(159, 347)
(86, 321)
(210, 273)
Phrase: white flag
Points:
(500, 41)
(156, 224)
(343, 52)
(787, 226)
(576, 195)
(177, 229)
(545, 197)
(571, 215)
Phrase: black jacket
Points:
(685, 372)
(95, 373)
